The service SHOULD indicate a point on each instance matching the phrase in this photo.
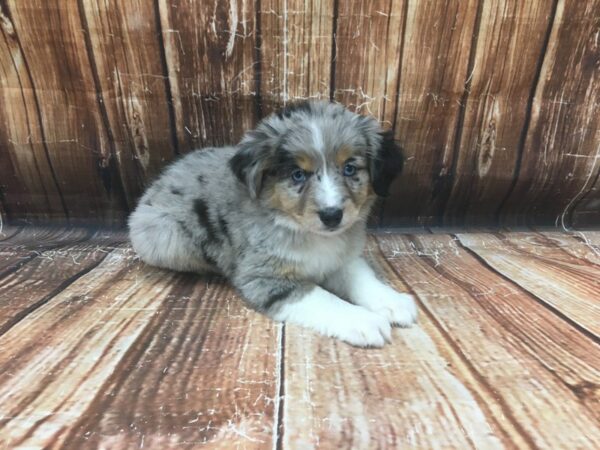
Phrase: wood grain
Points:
(203, 373)
(434, 68)
(372, 32)
(510, 45)
(295, 51)
(540, 369)
(72, 131)
(211, 60)
(125, 48)
(118, 312)
(561, 151)
(38, 280)
(560, 279)
(27, 244)
(27, 180)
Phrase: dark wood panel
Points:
(211, 60)
(435, 66)
(295, 51)
(542, 371)
(72, 128)
(560, 159)
(510, 45)
(28, 186)
(125, 47)
(494, 101)
(370, 32)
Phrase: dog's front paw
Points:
(363, 329)
(398, 308)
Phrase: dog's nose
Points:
(331, 217)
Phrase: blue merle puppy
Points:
(283, 215)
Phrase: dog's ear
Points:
(384, 155)
(386, 163)
(251, 160)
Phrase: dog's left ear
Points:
(385, 164)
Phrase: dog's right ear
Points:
(250, 162)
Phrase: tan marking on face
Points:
(297, 206)
(305, 162)
(343, 154)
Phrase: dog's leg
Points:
(313, 307)
(357, 283)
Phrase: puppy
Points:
(283, 217)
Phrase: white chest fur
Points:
(317, 256)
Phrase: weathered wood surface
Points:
(132, 356)
(435, 63)
(295, 51)
(125, 54)
(509, 46)
(561, 153)
(69, 124)
(494, 101)
(562, 279)
(100, 351)
(542, 371)
(210, 56)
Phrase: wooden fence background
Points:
(495, 101)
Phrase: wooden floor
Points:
(98, 351)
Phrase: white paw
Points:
(362, 328)
(398, 308)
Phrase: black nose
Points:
(331, 217)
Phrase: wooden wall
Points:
(495, 101)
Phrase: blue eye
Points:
(299, 176)
(349, 170)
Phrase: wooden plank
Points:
(434, 67)
(74, 133)
(510, 44)
(49, 272)
(576, 244)
(29, 188)
(28, 244)
(203, 374)
(413, 393)
(174, 360)
(569, 284)
(561, 156)
(211, 59)
(125, 48)
(368, 41)
(540, 369)
(295, 51)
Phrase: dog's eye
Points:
(349, 170)
(299, 176)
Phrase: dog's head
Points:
(318, 165)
